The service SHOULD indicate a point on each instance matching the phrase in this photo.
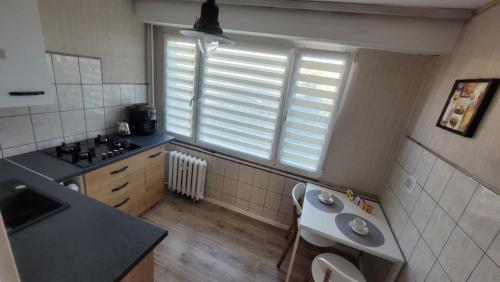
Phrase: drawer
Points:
(111, 189)
(132, 202)
(155, 156)
(114, 171)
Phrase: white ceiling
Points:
(467, 4)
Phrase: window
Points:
(241, 98)
(272, 105)
(310, 113)
(180, 67)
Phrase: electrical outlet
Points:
(410, 183)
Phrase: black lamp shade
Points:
(208, 23)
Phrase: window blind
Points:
(315, 92)
(241, 99)
(180, 67)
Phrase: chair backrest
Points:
(297, 197)
(331, 270)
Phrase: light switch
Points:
(410, 183)
(2, 54)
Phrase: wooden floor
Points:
(209, 243)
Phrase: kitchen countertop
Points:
(58, 170)
(88, 241)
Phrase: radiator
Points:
(186, 175)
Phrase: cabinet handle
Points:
(27, 93)
(119, 170)
(119, 188)
(154, 155)
(122, 203)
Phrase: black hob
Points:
(92, 151)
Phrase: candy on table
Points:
(356, 200)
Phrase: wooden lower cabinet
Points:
(144, 271)
(131, 185)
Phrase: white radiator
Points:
(186, 175)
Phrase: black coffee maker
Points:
(141, 119)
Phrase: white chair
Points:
(334, 268)
(298, 193)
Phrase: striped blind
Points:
(180, 62)
(311, 106)
(241, 98)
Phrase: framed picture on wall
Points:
(466, 105)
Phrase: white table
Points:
(323, 224)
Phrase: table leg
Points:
(393, 273)
(292, 258)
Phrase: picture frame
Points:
(466, 105)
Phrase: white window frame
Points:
(272, 160)
(336, 110)
(196, 77)
(290, 76)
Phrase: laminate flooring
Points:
(206, 242)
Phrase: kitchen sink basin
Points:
(22, 205)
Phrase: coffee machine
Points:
(141, 119)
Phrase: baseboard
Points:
(246, 213)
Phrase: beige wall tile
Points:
(232, 170)
(486, 271)
(230, 186)
(421, 261)
(494, 250)
(270, 214)
(410, 198)
(261, 178)
(217, 182)
(286, 205)
(258, 196)
(246, 174)
(481, 219)
(437, 274)
(228, 199)
(424, 166)
(244, 191)
(276, 183)
(396, 214)
(457, 194)
(409, 239)
(242, 204)
(438, 178)
(423, 210)
(255, 208)
(272, 200)
(459, 256)
(438, 230)
(219, 166)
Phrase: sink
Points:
(22, 205)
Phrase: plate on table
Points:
(328, 201)
(363, 231)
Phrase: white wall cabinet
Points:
(23, 65)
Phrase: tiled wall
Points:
(84, 108)
(448, 227)
(251, 190)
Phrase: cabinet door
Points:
(155, 175)
(23, 64)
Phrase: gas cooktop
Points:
(92, 151)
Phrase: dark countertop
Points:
(58, 170)
(88, 241)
